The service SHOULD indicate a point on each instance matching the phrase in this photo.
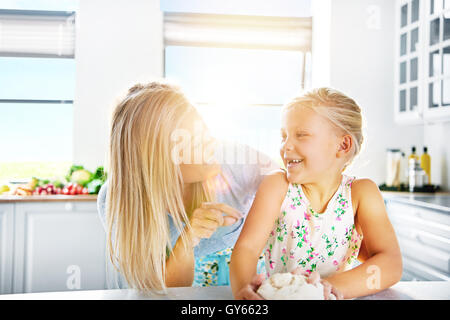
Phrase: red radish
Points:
(85, 191)
(43, 192)
(65, 191)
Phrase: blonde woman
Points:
(312, 218)
(172, 210)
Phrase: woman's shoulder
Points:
(101, 203)
(101, 197)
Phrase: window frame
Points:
(259, 23)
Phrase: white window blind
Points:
(237, 31)
(35, 33)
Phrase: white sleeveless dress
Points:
(327, 242)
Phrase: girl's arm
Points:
(383, 266)
(252, 239)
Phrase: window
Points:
(37, 82)
(239, 77)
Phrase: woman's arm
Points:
(204, 221)
(252, 239)
(180, 264)
(383, 267)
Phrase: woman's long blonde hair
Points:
(145, 184)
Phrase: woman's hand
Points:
(328, 290)
(205, 220)
(248, 292)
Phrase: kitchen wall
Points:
(117, 43)
(436, 139)
(353, 51)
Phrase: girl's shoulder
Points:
(362, 189)
(274, 184)
(277, 176)
(363, 184)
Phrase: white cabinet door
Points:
(424, 238)
(59, 246)
(422, 61)
(6, 246)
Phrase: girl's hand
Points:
(205, 220)
(314, 278)
(249, 291)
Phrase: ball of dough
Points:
(288, 286)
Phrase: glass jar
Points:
(393, 165)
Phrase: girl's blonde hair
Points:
(338, 108)
(145, 184)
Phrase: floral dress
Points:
(325, 242)
(213, 269)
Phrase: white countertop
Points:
(437, 201)
(415, 290)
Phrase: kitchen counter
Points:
(47, 198)
(413, 290)
(438, 201)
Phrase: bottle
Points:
(425, 163)
(415, 175)
(413, 154)
(404, 170)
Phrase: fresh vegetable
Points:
(47, 189)
(72, 170)
(100, 174)
(58, 184)
(4, 189)
(94, 186)
(42, 182)
(79, 181)
(91, 181)
(33, 183)
(82, 177)
(23, 190)
(74, 189)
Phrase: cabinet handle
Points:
(418, 239)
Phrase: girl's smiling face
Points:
(309, 145)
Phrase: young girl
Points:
(313, 219)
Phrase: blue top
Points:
(243, 179)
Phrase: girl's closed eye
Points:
(301, 134)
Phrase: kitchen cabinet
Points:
(424, 237)
(422, 61)
(6, 247)
(57, 246)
